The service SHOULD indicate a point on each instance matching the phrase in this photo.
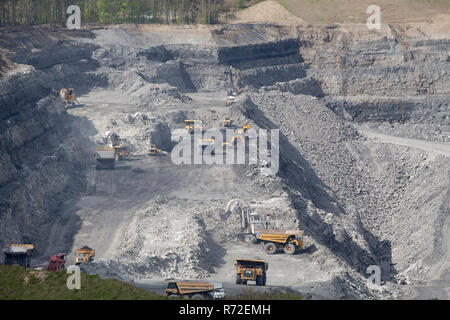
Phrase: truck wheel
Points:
(198, 297)
(270, 247)
(238, 279)
(289, 248)
(259, 280)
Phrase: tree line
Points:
(34, 12)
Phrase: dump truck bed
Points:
(104, 153)
(250, 260)
(276, 237)
(19, 249)
(187, 287)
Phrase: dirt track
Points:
(431, 147)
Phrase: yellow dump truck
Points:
(290, 243)
(195, 290)
(84, 254)
(251, 270)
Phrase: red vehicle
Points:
(57, 263)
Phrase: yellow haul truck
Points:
(84, 254)
(251, 270)
(288, 242)
(18, 254)
(191, 289)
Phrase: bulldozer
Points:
(251, 270)
(57, 263)
(290, 243)
(84, 254)
(68, 96)
(18, 254)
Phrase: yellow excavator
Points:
(68, 96)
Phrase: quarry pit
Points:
(364, 151)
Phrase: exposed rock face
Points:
(42, 158)
(399, 74)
